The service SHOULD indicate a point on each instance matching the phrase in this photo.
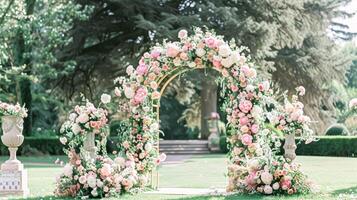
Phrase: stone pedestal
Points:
(289, 147)
(89, 146)
(213, 142)
(13, 176)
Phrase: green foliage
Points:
(337, 129)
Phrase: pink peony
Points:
(172, 50)
(285, 183)
(246, 139)
(250, 179)
(155, 54)
(245, 106)
(142, 69)
(140, 95)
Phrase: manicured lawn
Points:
(336, 177)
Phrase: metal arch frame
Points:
(163, 83)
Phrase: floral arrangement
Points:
(290, 119)
(246, 102)
(102, 178)
(85, 119)
(12, 110)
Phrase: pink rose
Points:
(255, 128)
(217, 63)
(155, 54)
(245, 69)
(182, 34)
(246, 139)
(155, 95)
(285, 184)
(250, 179)
(140, 95)
(243, 121)
(211, 42)
(142, 69)
(245, 106)
(172, 50)
(234, 88)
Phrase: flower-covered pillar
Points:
(13, 176)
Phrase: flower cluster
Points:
(353, 105)
(84, 119)
(276, 176)
(102, 178)
(12, 110)
(290, 117)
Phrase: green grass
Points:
(335, 176)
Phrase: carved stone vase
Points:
(13, 176)
(89, 146)
(290, 147)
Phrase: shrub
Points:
(223, 143)
(337, 129)
(325, 146)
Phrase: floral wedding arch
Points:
(255, 125)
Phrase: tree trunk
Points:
(24, 84)
(208, 103)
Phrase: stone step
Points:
(183, 142)
(185, 152)
(184, 147)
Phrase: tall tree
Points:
(287, 40)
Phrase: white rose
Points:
(226, 62)
(83, 118)
(129, 70)
(99, 183)
(191, 64)
(200, 52)
(117, 92)
(276, 186)
(148, 146)
(68, 170)
(234, 57)
(63, 140)
(224, 50)
(249, 88)
(94, 192)
(268, 189)
(129, 92)
(72, 116)
(92, 181)
(76, 129)
(256, 111)
(266, 177)
(105, 98)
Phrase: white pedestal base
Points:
(14, 182)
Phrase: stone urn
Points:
(12, 137)
(89, 146)
(13, 176)
(290, 147)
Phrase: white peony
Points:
(234, 57)
(105, 98)
(266, 177)
(76, 128)
(129, 92)
(257, 111)
(68, 170)
(250, 88)
(63, 140)
(92, 181)
(253, 164)
(83, 118)
(224, 50)
(200, 52)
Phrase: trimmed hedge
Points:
(48, 145)
(344, 146)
